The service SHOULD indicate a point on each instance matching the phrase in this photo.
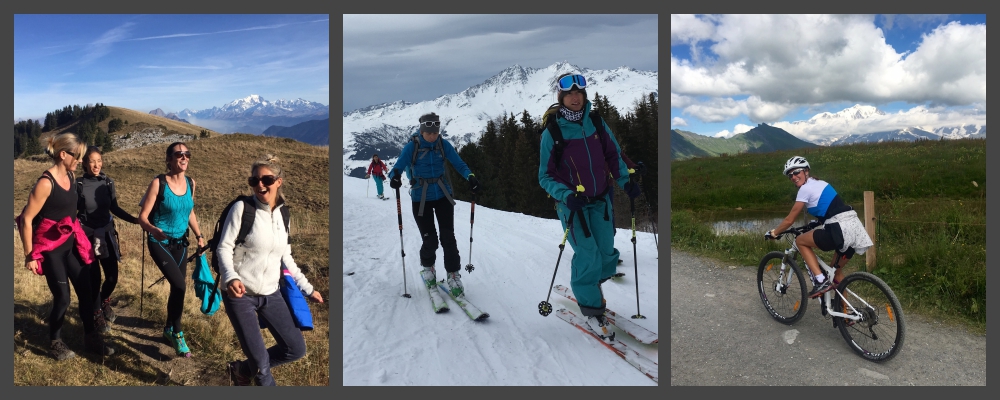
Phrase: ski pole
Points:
(472, 220)
(399, 216)
(142, 278)
(635, 260)
(368, 186)
(545, 308)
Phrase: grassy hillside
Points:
(136, 119)
(220, 166)
(930, 200)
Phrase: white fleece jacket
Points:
(257, 262)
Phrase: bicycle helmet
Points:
(795, 162)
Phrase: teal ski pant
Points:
(594, 258)
(378, 184)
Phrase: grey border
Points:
(75, 7)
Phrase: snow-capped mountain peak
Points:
(464, 115)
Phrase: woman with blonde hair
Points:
(167, 219)
(251, 271)
(56, 246)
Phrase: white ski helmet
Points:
(795, 162)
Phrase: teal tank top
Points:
(172, 216)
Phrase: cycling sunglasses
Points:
(431, 124)
(567, 82)
(268, 180)
(794, 173)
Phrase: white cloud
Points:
(920, 116)
(800, 60)
(724, 134)
(678, 121)
(686, 28)
(740, 128)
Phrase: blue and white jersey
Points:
(822, 201)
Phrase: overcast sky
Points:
(730, 72)
(144, 62)
(421, 57)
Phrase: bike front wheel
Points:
(782, 288)
(878, 335)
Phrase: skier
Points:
(432, 196)
(377, 168)
(579, 175)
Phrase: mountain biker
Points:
(838, 226)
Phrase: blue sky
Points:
(926, 70)
(172, 62)
(421, 57)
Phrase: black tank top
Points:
(61, 202)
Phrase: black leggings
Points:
(445, 213)
(110, 266)
(170, 260)
(62, 266)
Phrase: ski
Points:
(437, 302)
(471, 310)
(645, 365)
(641, 334)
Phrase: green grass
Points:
(931, 234)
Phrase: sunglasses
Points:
(71, 154)
(431, 124)
(268, 180)
(179, 154)
(567, 82)
(794, 173)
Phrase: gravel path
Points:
(720, 334)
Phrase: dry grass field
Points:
(219, 165)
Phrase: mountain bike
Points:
(862, 306)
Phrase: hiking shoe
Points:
(602, 327)
(235, 377)
(59, 351)
(820, 288)
(429, 277)
(109, 314)
(94, 343)
(176, 341)
(100, 323)
(455, 283)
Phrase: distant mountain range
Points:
(862, 124)
(385, 128)
(761, 139)
(159, 113)
(316, 132)
(252, 114)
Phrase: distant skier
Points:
(432, 196)
(377, 168)
(579, 175)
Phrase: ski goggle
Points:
(431, 124)
(567, 82)
(268, 180)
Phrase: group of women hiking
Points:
(68, 235)
(579, 174)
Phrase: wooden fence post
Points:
(870, 227)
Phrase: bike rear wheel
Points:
(782, 290)
(879, 335)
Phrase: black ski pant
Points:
(110, 266)
(445, 212)
(62, 266)
(169, 258)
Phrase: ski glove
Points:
(632, 189)
(395, 182)
(640, 168)
(574, 202)
(474, 184)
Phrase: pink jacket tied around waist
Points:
(51, 234)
